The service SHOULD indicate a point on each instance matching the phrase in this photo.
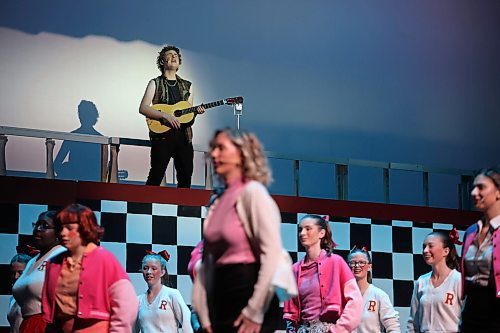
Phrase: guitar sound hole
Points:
(177, 113)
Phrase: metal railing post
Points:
(341, 176)
(49, 146)
(425, 185)
(387, 194)
(464, 189)
(3, 164)
(209, 183)
(296, 177)
(113, 168)
(104, 162)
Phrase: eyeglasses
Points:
(42, 226)
(360, 264)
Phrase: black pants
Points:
(481, 311)
(232, 288)
(173, 144)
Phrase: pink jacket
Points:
(341, 300)
(105, 291)
(196, 256)
(469, 236)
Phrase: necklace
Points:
(171, 85)
(72, 263)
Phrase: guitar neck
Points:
(206, 106)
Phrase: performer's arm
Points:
(413, 323)
(388, 315)
(146, 109)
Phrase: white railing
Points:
(109, 163)
(109, 167)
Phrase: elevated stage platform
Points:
(138, 218)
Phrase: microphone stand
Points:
(238, 112)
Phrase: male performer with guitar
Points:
(176, 139)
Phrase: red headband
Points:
(455, 237)
(27, 249)
(164, 254)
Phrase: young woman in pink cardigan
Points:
(329, 299)
(86, 289)
(481, 258)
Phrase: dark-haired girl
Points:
(329, 299)
(28, 288)
(481, 257)
(17, 266)
(436, 302)
(86, 289)
(378, 312)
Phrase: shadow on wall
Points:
(81, 160)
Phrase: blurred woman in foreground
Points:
(242, 243)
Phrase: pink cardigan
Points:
(341, 300)
(105, 291)
(469, 236)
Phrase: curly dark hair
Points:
(90, 231)
(160, 60)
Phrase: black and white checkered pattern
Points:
(131, 228)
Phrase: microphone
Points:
(235, 163)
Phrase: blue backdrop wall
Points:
(412, 82)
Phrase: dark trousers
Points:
(481, 310)
(173, 144)
(232, 288)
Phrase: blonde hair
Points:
(254, 160)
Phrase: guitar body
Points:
(186, 120)
(184, 113)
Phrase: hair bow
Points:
(326, 218)
(454, 236)
(164, 254)
(27, 249)
(355, 247)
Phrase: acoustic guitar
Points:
(184, 112)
